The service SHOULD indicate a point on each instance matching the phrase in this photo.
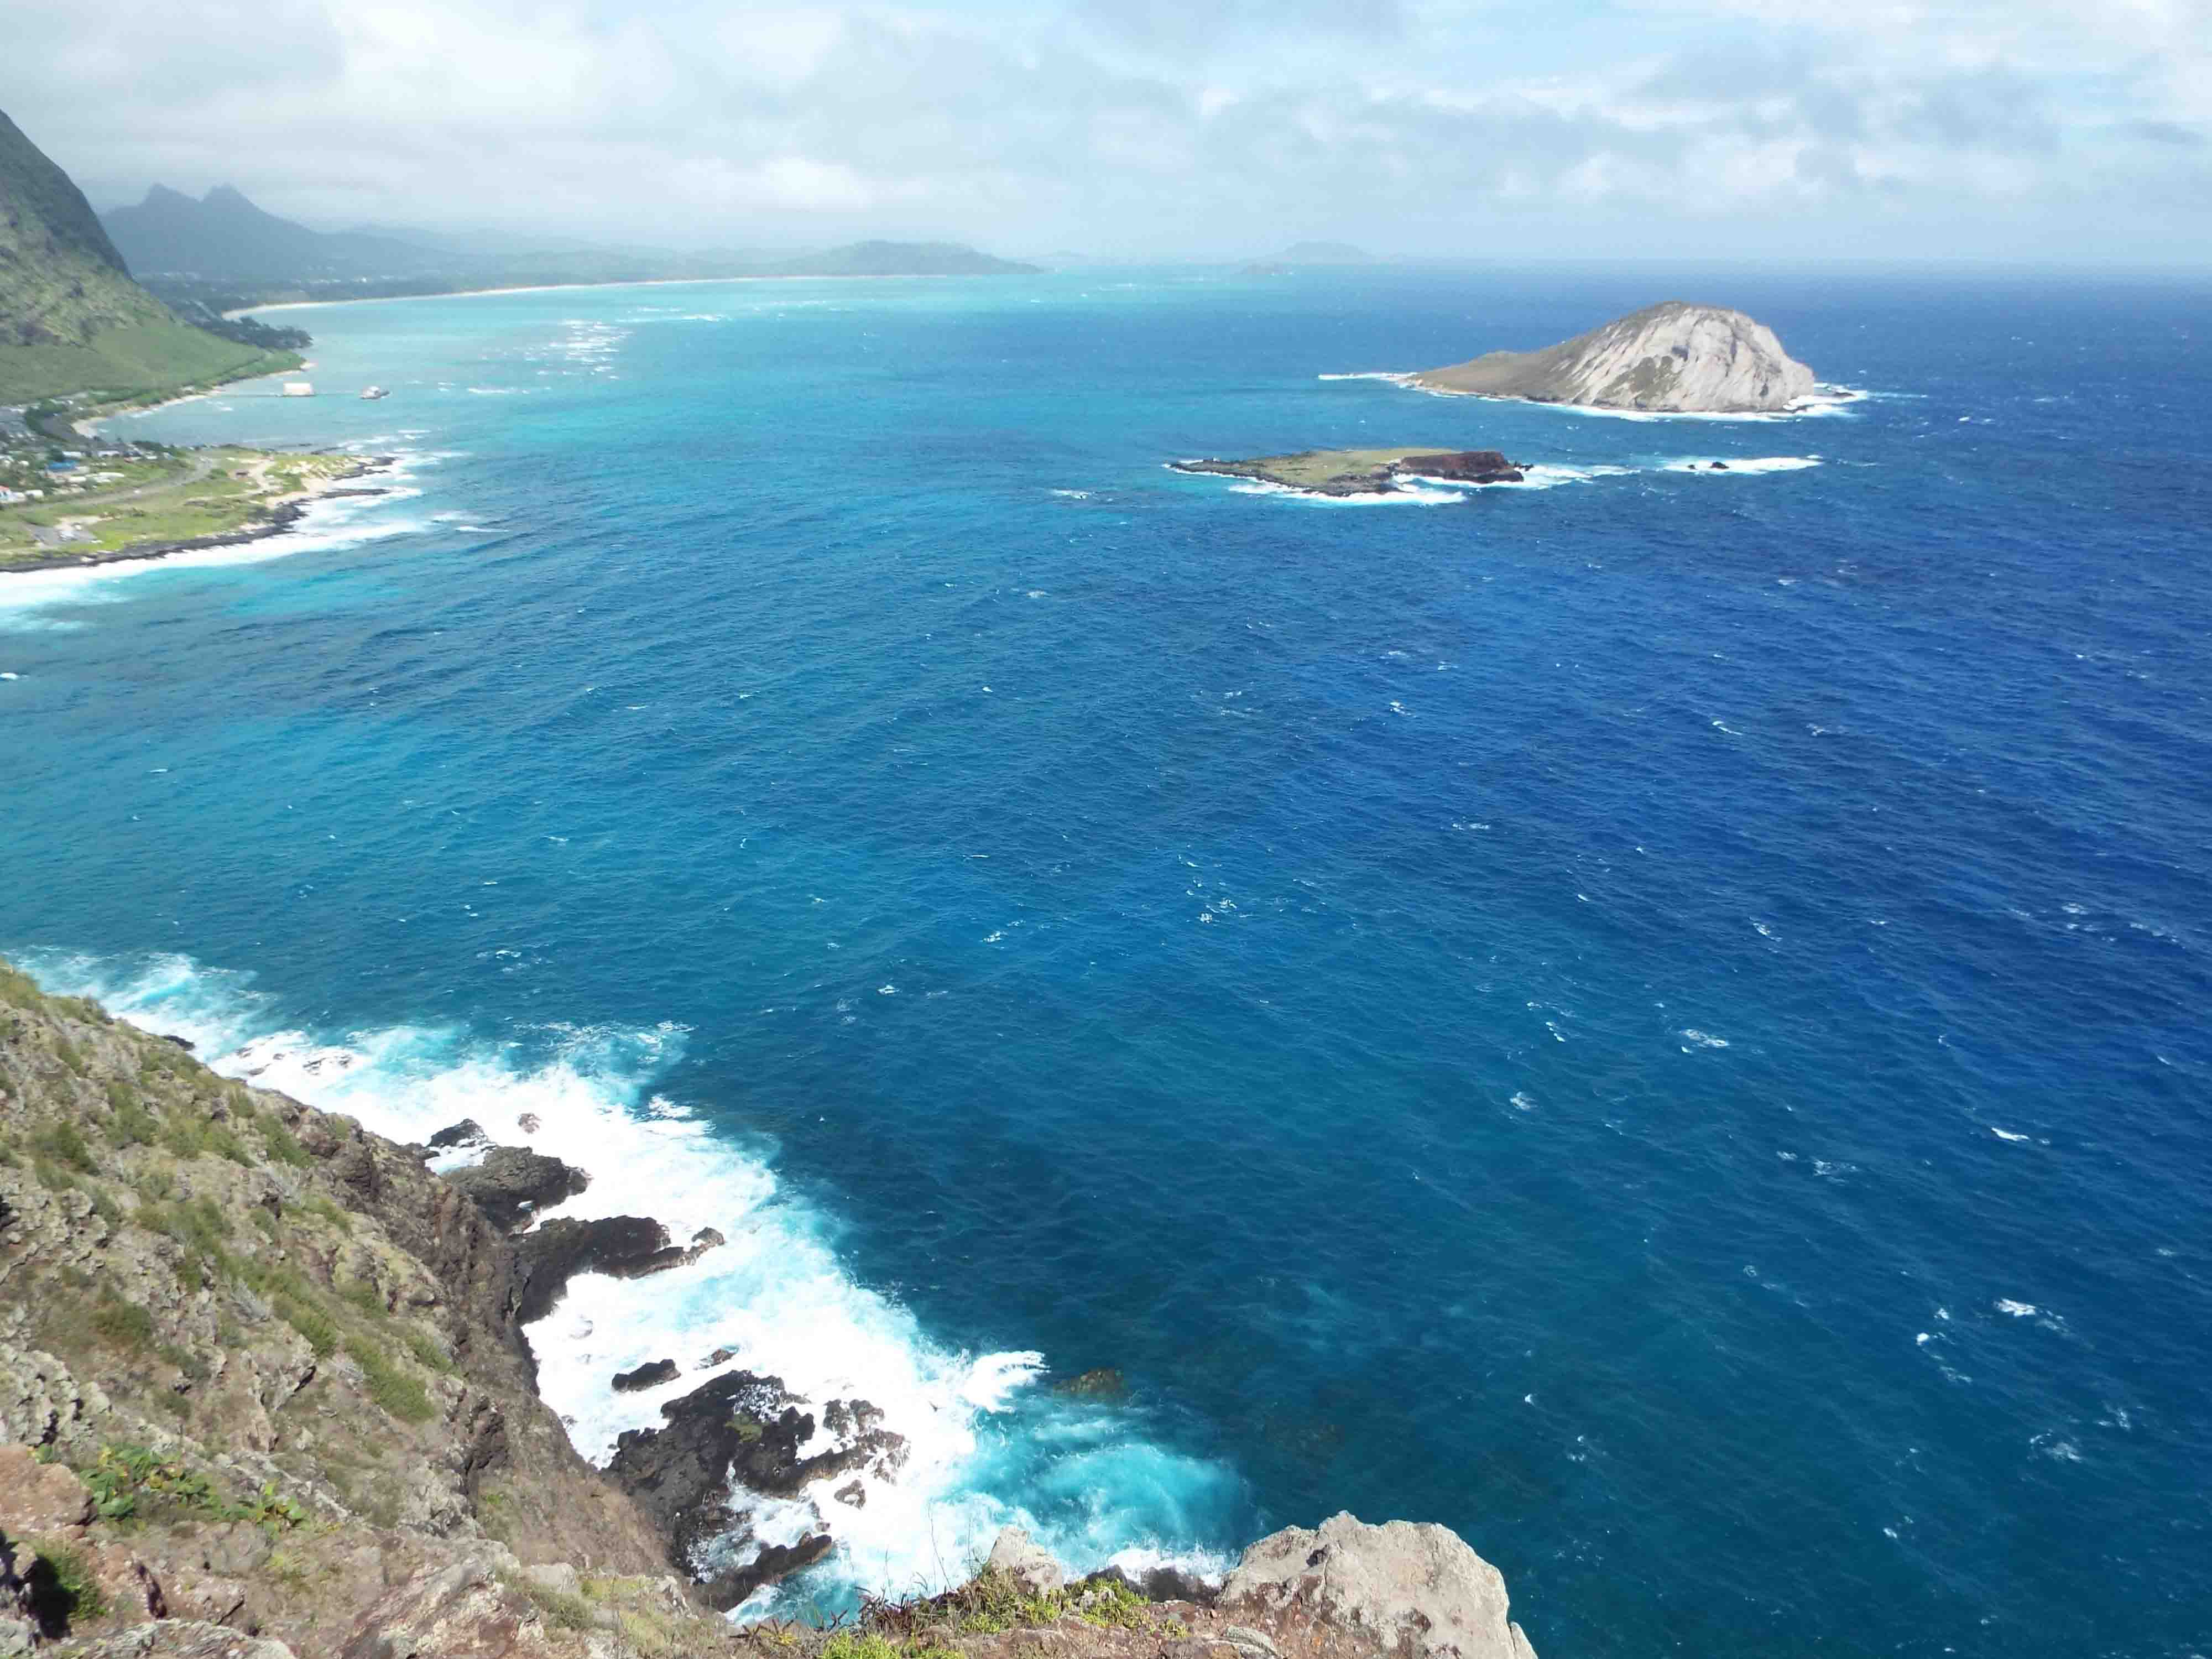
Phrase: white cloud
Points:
(1433, 126)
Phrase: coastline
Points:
(284, 514)
(757, 1303)
(1826, 399)
(637, 282)
(438, 1429)
(439, 1459)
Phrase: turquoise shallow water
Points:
(1656, 1020)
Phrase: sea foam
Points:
(985, 1447)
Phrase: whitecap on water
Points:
(1431, 495)
(1712, 466)
(329, 523)
(1822, 401)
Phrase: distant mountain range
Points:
(224, 236)
(1323, 253)
(221, 251)
(71, 318)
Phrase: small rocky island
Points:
(1364, 471)
(1672, 358)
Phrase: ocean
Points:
(1657, 1018)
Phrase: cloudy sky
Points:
(1797, 129)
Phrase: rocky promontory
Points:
(265, 1392)
(1672, 358)
(1344, 473)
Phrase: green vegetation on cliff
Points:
(71, 319)
(265, 1394)
(260, 1368)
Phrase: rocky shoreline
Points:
(1349, 472)
(736, 1437)
(265, 1391)
(277, 519)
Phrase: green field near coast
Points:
(160, 499)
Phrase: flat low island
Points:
(1345, 472)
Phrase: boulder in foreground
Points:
(1027, 1563)
(1418, 1590)
(1672, 358)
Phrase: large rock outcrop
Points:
(1027, 1563)
(264, 1391)
(1418, 1590)
(1672, 358)
(733, 1439)
(513, 1183)
(286, 1357)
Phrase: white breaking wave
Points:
(774, 1294)
(1541, 475)
(1729, 466)
(329, 522)
(1434, 496)
(1427, 491)
(1826, 400)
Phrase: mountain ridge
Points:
(72, 317)
(222, 253)
(223, 235)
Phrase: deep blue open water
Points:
(1660, 1020)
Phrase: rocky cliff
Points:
(70, 316)
(265, 1393)
(1672, 358)
(263, 1369)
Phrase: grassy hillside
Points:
(132, 362)
(71, 318)
(257, 1370)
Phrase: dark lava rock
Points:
(726, 1589)
(1174, 1584)
(186, 1043)
(1102, 1383)
(1719, 466)
(1464, 466)
(744, 1430)
(1155, 1584)
(677, 1473)
(467, 1132)
(528, 1123)
(546, 1260)
(647, 1376)
(513, 1183)
(673, 1255)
